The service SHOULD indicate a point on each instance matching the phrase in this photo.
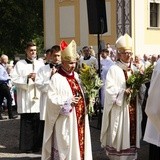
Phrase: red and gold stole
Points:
(132, 113)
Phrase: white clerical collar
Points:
(126, 64)
(123, 65)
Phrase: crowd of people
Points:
(7, 89)
(50, 99)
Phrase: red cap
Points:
(63, 45)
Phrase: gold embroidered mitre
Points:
(68, 51)
(124, 42)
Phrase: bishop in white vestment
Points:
(121, 129)
(66, 133)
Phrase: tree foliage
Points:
(21, 21)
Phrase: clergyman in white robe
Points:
(61, 140)
(152, 131)
(115, 131)
(42, 83)
(27, 104)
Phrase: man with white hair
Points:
(4, 60)
(5, 87)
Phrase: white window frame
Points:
(158, 16)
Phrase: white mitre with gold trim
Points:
(68, 51)
(124, 43)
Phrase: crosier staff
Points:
(33, 67)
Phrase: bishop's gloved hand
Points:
(68, 105)
(66, 108)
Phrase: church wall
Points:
(67, 20)
(146, 39)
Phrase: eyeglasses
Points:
(127, 53)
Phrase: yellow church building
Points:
(68, 19)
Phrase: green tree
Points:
(21, 21)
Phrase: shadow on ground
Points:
(9, 143)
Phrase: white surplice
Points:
(92, 61)
(152, 131)
(42, 82)
(63, 128)
(26, 89)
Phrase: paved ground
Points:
(9, 141)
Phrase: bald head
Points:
(4, 59)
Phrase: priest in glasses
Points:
(121, 121)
